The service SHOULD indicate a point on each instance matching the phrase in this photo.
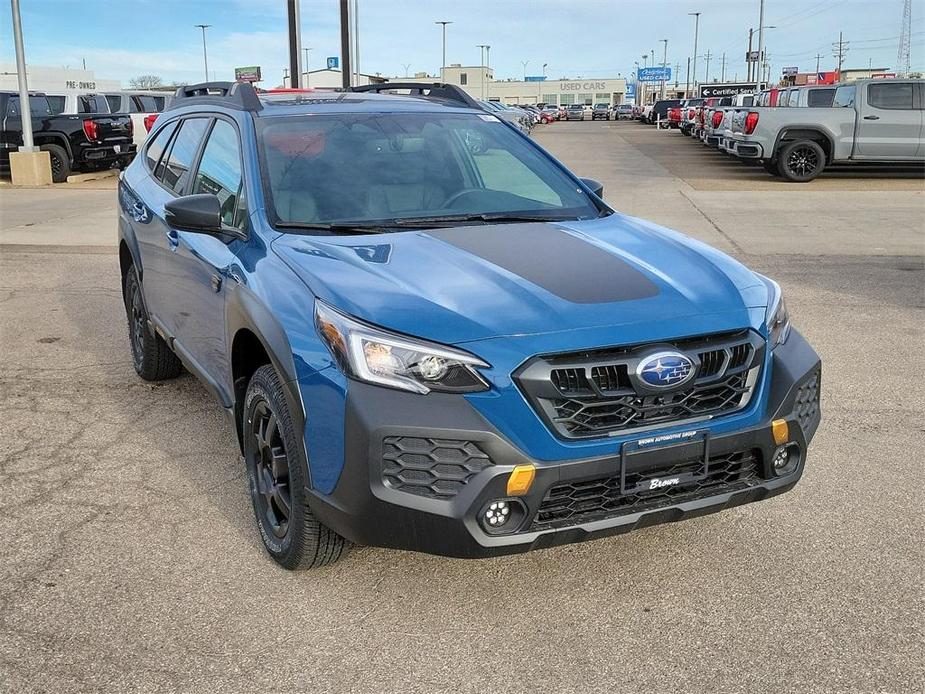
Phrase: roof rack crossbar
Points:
(239, 95)
(427, 90)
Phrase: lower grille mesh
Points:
(436, 468)
(596, 499)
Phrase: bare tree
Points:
(145, 82)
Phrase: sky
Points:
(121, 39)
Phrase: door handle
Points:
(871, 117)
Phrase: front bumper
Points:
(398, 492)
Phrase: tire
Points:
(801, 161)
(770, 166)
(152, 358)
(276, 480)
(60, 162)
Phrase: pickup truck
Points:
(689, 115)
(74, 142)
(718, 118)
(878, 120)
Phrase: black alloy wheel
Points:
(274, 499)
(801, 161)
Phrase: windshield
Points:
(364, 168)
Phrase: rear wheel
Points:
(801, 161)
(152, 358)
(275, 471)
(60, 162)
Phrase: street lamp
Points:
(205, 55)
(525, 63)
(664, 63)
(306, 64)
(760, 41)
(696, 16)
(443, 64)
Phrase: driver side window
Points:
(220, 174)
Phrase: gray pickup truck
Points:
(879, 120)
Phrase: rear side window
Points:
(157, 146)
(57, 103)
(143, 104)
(890, 96)
(220, 175)
(37, 104)
(87, 103)
(820, 98)
(115, 103)
(844, 96)
(185, 144)
(159, 103)
(748, 101)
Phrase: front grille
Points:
(595, 393)
(600, 498)
(436, 468)
(806, 404)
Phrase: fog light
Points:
(497, 514)
(786, 459)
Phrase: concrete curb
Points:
(94, 176)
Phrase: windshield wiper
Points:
(484, 217)
(335, 228)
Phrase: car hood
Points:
(469, 283)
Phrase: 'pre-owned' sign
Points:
(727, 89)
(582, 86)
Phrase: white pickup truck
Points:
(880, 121)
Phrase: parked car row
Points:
(797, 132)
(142, 105)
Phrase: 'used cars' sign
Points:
(727, 89)
(582, 86)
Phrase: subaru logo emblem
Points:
(665, 370)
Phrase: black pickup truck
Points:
(84, 142)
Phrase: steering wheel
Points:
(450, 201)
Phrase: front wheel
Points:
(276, 478)
(60, 162)
(801, 161)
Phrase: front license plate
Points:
(667, 449)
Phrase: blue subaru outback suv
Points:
(429, 335)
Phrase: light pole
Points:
(664, 63)
(443, 64)
(205, 55)
(696, 16)
(306, 64)
(482, 47)
(525, 63)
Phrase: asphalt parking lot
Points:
(130, 561)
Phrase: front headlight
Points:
(376, 356)
(778, 318)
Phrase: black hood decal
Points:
(554, 260)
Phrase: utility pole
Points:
(696, 34)
(205, 55)
(677, 73)
(345, 72)
(760, 41)
(687, 85)
(819, 57)
(748, 57)
(443, 64)
(723, 73)
(295, 43)
(484, 76)
(488, 57)
(839, 49)
(285, 75)
(707, 76)
(664, 63)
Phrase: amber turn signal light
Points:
(520, 480)
(780, 431)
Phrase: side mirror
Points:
(596, 186)
(200, 213)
